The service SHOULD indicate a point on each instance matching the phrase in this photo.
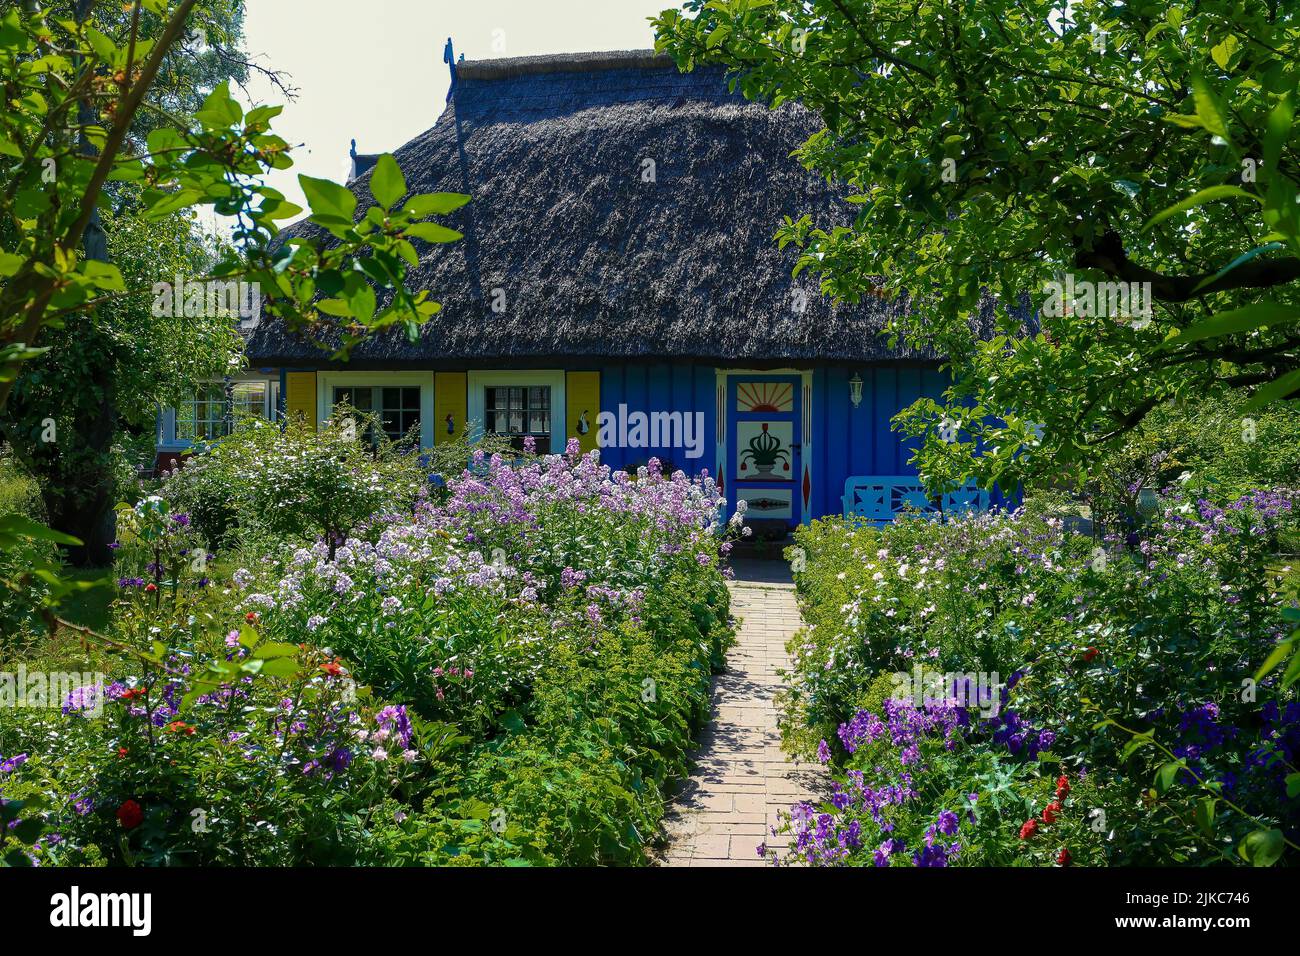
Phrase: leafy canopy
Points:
(990, 149)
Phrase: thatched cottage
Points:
(618, 282)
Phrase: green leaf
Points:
(12, 35)
(12, 525)
(434, 204)
(335, 307)
(1243, 258)
(1293, 785)
(433, 232)
(1238, 320)
(1208, 108)
(273, 650)
(1280, 387)
(1262, 848)
(1292, 672)
(1222, 52)
(220, 110)
(387, 184)
(104, 48)
(103, 275)
(167, 203)
(328, 200)
(1278, 655)
(1203, 814)
(281, 667)
(363, 303)
(1277, 129)
(1167, 774)
(1200, 198)
(28, 830)
(1138, 741)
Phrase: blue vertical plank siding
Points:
(846, 440)
(683, 387)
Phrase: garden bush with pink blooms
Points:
(996, 690)
(510, 671)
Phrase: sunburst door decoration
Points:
(764, 397)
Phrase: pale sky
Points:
(373, 70)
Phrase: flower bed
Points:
(995, 690)
(509, 674)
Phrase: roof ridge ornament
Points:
(449, 57)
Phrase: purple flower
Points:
(13, 763)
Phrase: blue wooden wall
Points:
(662, 387)
(846, 440)
(858, 441)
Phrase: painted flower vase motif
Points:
(764, 454)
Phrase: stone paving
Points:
(742, 777)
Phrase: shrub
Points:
(1126, 670)
(533, 646)
(297, 482)
(559, 613)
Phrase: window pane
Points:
(400, 410)
(519, 411)
(248, 398)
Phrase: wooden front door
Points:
(765, 446)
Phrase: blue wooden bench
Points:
(882, 499)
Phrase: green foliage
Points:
(296, 482)
(1131, 670)
(19, 494)
(1021, 145)
(76, 90)
(508, 673)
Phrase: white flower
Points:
(380, 754)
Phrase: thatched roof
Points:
(594, 260)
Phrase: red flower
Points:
(251, 617)
(1063, 858)
(1029, 829)
(1050, 811)
(122, 752)
(333, 668)
(130, 815)
(133, 693)
(150, 588)
(1089, 654)
(179, 726)
(1062, 787)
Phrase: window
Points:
(397, 407)
(215, 407)
(249, 399)
(519, 411)
(204, 416)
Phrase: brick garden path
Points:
(742, 777)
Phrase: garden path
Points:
(742, 777)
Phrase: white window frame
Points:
(326, 382)
(166, 439)
(478, 381)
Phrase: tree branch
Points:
(1107, 255)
